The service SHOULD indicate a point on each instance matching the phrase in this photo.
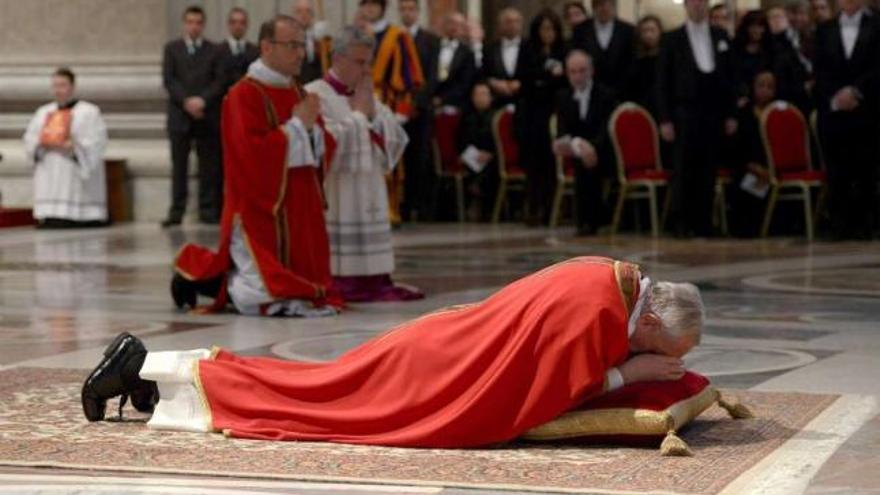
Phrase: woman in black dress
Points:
(545, 53)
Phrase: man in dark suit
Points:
(419, 200)
(193, 76)
(317, 43)
(503, 60)
(237, 53)
(696, 106)
(846, 66)
(582, 112)
(793, 70)
(455, 65)
(610, 41)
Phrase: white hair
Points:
(352, 36)
(679, 307)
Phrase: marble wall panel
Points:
(81, 31)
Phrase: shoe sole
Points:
(85, 394)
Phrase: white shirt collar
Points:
(507, 42)
(413, 30)
(380, 25)
(233, 43)
(851, 20)
(585, 91)
(266, 75)
(189, 42)
(697, 26)
(603, 25)
(644, 290)
(449, 42)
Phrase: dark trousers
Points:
(590, 211)
(850, 147)
(698, 138)
(419, 196)
(207, 140)
(540, 165)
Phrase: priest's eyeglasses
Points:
(290, 45)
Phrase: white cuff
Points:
(171, 366)
(614, 379)
(360, 116)
(299, 144)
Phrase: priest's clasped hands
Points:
(651, 367)
(363, 100)
(308, 110)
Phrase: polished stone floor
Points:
(784, 315)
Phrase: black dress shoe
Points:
(117, 374)
(170, 222)
(183, 292)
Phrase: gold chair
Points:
(639, 167)
(786, 139)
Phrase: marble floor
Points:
(783, 315)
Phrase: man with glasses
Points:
(273, 257)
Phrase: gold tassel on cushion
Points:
(737, 410)
(673, 445)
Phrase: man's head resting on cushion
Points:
(670, 322)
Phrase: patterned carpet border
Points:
(41, 425)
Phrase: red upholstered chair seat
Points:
(788, 137)
(636, 139)
(446, 136)
(806, 175)
(639, 414)
(568, 168)
(648, 174)
(509, 148)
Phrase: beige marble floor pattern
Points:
(783, 315)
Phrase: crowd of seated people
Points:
(719, 166)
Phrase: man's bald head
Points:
(578, 68)
(454, 25)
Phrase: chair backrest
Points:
(564, 166)
(636, 142)
(505, 143)
(786, 138)
(445, 143)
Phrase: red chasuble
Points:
(464, 376)
(280, 209)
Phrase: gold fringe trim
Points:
(674, 446)
(737, 410)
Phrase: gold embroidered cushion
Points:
(639, 414)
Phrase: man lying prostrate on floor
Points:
(463, 376)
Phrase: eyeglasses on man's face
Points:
(290, 45)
